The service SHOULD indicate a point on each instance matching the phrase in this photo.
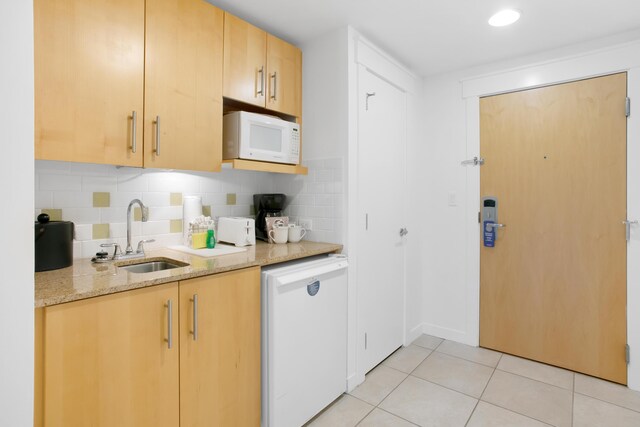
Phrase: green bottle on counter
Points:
(211, 239)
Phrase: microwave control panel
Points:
(295, 141)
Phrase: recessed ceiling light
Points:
(504, 17)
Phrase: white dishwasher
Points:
(304, 339)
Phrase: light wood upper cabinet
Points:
(89, 71)
(183, 85)
(107, 361)
(260, 69)
(245, 61)
(220, 366)
(284, 63)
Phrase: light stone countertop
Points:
(85, 280)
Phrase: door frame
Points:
(618, 58)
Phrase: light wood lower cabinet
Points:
(220, 366)
(106, 361)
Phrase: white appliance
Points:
(304, 339)
(254, 136)
(236, 230)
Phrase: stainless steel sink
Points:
(152, 266)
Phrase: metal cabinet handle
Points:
(157, 123)
(274, 76)
(169, 340)
(134, 119)
(195, 317)
(628, 225)
(261, 73)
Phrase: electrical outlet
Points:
(307, 224)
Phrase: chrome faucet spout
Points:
(145, 216)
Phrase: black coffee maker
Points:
(267, 205)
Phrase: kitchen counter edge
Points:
(85, 280)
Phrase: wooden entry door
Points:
(553, 289)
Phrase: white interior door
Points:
(381, 186)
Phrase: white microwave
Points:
(254, 136)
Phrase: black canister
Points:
(54, 243)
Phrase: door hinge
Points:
(627, 353)
(476, 161)
(366, 222)
(365, 340)
(479, 217)
(627, 107)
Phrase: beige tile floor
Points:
(435, 382)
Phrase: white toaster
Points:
(237, 230)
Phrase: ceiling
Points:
(432, 37)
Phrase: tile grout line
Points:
(573, 396)
(533, 379)
(606, 401)
(394, 389)
(397, 416)
(378, 405)
(445, 387)
(490, 403)
(480, 397)
(518, 413)
(473, 361)
(365, 415)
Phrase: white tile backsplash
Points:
(100, 183)
(81, 215)
(72, 199)
(59, 182)
(70, 187)
(83, 231)
(317, 196)
(111, 215)
(138, 181)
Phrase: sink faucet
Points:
(145, 217)
(129, 253)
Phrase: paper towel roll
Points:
(191, 209)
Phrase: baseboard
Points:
(353, 381)
(448, 334)
(413, 333)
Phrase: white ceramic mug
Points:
(296, 233)
(279, 234)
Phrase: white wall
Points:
(321, 195)
(450, 236)
(16, 185)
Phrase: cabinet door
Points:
(245, 62)
(183, 85)
(89, 73)
(284, 65)
(220, 365)
(107, 361)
